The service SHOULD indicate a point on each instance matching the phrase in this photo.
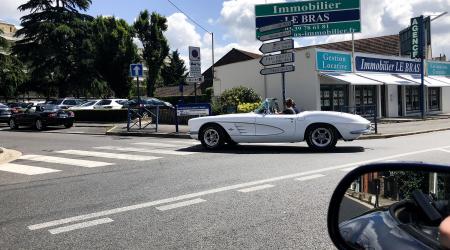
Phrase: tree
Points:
(150, 30)
(3, 42)
(49, 34)
(174, 72)
(115, 52)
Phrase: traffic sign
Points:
(282, 34)
(277, 70)
(195, 79)
(275, 26)
(277, 46)
(136, 70)
(277, 59)
(194, 53)
(195, 69)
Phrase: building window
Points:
(365, 100)
(412, 99)
(333, 97)
(434, 99)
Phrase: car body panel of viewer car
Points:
(265, 127)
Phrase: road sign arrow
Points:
(277, 46)
(286, 33)
(276, 26)
(277, 70)
(277, 59)
(136, 70)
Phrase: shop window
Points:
(412, 99)
(333, 97)
(434, 99)
(365, 100)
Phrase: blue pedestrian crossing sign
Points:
(136, 70)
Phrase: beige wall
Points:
(445, 100)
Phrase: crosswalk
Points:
(96, 157)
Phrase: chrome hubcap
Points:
(211, 137)
(39, 124)
(321, 137)
(12, 124)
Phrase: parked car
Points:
(148, 103)
(320, 129)
(89, 105)
(17, 107)
(41, 116)
(5, 113)
(64, 103)
(110, 104)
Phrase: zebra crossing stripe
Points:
(127, 157)
(65, 161)
(25, 169)
(143, 150)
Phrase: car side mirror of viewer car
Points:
(392, 206)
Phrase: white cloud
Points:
(9, 11)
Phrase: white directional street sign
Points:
(136, 70)
(276, 26)
(277, 70)
(195, 79)
(277, 46)
(277, 59)
(286, 33)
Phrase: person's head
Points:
(289, 102)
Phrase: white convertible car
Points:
(320, 129)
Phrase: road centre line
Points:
(310, 177)
(180, 204)
(65, 161)
(80, 226)
(143, 150)
(109, 155)
(257, 188)
(213, 191)
(25, 169)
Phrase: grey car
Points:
(5, 113)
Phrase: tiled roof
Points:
(383, 45)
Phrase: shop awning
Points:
(429, 82)
(443, 79)
(351, 78)
(387, 79)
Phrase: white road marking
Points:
(143, 150)
(257, 188)
(25, 169)
(180, 204)
(445, 150)
(307, 178)
(109, 155)
(186, 142)
(80, 226)
(65, 161)
(211, 191)
(159, 144)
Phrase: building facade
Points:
(339, 80)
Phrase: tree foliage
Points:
(234, 96)
(174, 73)
(149, 30)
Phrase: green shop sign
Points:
(332, 61)
(438, 68)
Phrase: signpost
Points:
(277, 46)
(199, 79)
(310, 18)
(281, 34)
(277, 59)
(277, 70)
(417, 51)
(195, 70)
(137, 70)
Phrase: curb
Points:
(386, 136)
(9, 155)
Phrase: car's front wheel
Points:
(13, 124)
(212, 137)
(321, 137)
(38, 125)
(68, 125)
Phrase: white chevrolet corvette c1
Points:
(320, 129)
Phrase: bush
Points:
(248, 107)
(231, 98)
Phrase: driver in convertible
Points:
(289, 107)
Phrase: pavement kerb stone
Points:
(9, 155)
(386, 136)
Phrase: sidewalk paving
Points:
(385, 130)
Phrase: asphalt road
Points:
(72, 191)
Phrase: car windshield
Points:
(269, 106)
(89, 103)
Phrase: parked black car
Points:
(41, 116)
(5, 113)
(17, 107)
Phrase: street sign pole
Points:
(422, 63)
(283, 82)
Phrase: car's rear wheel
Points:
(38, 125)
(13, 124)
(321, 137)
(68, 125)
(212, 136)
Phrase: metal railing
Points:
(143, 118)
(367, 111)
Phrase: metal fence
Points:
(367, 111)
(143, 118)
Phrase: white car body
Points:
(86, 106)
(320, 129)
(110, 104)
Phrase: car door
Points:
(275, 127)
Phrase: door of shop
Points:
(366, 99)
(333, 97)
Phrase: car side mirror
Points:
(391, 206)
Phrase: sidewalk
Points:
(385, 130)
(8, 155)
